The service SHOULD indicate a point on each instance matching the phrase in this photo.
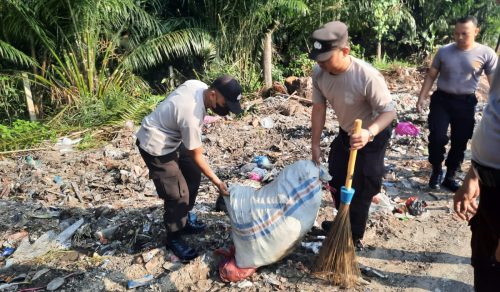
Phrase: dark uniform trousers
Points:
(367, 179)
(485, 227)
(177, 179)
(456, 111)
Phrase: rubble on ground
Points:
(117, 234)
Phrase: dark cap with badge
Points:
(231, 89)
(330, 36)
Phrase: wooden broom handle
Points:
(352, 157)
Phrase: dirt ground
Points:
(121, 236)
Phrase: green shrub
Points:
(357, 51)
(277, 74)
(389, 65)
(24, 134)
(300, 65)
(12, 104)
(247, 74)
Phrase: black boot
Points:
(220, 205)
(179, 247)
(193, 225)
(449, 181)
(436, 178)
(358, 244)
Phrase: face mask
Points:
(220, 110)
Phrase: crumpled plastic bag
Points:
(263, 162)
(415, 207)
(407, 129)
(228, 270)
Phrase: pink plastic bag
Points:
(228, 270)
(407, 129)
(210, 119)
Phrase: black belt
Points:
(487, 175)
(455, 96)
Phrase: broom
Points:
(337, 258)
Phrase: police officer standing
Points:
(459, 66)
(355, 90)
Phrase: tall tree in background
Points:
(243, 32)
(383, 17)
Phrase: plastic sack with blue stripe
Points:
(267, 223)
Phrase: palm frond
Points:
(12, 54)
(174, 44)
(20, 19)
(137, 109)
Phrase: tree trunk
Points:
(379, 50)
(267, 63)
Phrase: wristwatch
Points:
(371, 136)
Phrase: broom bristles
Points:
(337, 258)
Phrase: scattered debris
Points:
(369, 272)
(146, 280)
(313, 246)
(120, 233)
(407, 129)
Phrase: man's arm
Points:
(199, 160)
(383, 120)
(318, 116)
(426, 87)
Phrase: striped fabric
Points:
(263, 226)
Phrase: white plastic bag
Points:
(268, 222)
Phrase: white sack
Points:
(268, 222)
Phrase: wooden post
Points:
(267, 59)
(29, 97)
(171, 74)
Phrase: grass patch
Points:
(390, 65)
(24, 134)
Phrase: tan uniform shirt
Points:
(178, 119)
(358, 93)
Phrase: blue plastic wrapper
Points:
(263, 162)
(58, 180)
(140, 282)
(8, 251)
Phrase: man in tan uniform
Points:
(169, 141)
(355, 90)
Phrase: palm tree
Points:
(89, 49)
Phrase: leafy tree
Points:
(435, 20)
(243, 32)
(383, 17)
(88, 50)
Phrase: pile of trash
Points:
(91, 219)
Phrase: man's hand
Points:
(464, 201)
(222, 187)
(421, 104)
(316, 154)
(359, 141)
